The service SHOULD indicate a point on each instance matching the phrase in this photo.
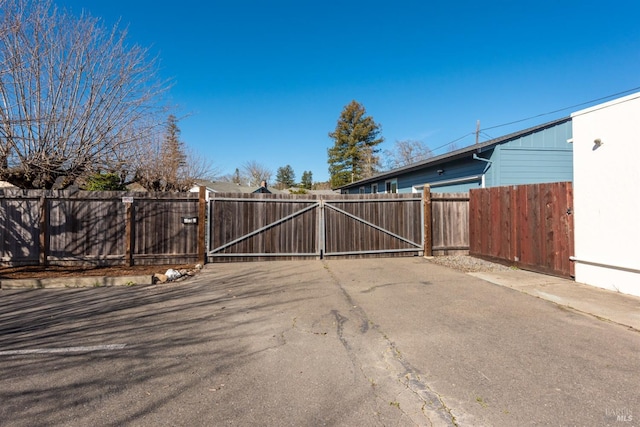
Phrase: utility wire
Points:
(454, 141)
(565, 108)
(536, 116)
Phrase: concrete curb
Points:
(76, 282)
(615, 307)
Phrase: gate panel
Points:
(262, 226)
(530, 226)
(245, 227)
(368, 226)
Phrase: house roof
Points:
(231, 187)
(455, 155)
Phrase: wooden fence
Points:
(448, 217)
(45, 227)
(530, 226)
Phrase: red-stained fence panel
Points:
(529, 226)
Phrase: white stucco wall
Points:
(607, 195)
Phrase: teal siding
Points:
(457, 188)
(453, 171)
(540, 155)
(535, 166)
(553, 138)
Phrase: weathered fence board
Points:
(84, 229)
(99, 228)
(20, 220)
(160, 233)
(261, 226)
(372, 225)
(450, 223)
(530, 226)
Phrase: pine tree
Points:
(236, 177)
(353, 155)
(285, 177)
(307, 180)
(173, 155)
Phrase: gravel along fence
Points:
(468, 264)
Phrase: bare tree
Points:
(256, 173)
(370, 162)
(164, 163)
(74, 95)
(197, 167)
(406, 152)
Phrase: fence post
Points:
(568, 187)
(44, 230)
(202, 217)
(128, 239)
(428, 231)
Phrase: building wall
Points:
(446, 181)
(606, 203)
(540, 157)
(456, 176)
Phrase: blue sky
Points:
(266, 80)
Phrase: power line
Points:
(454, 141)
(536, 116)
(565, 108)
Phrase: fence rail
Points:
(46, 227)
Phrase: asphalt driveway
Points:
(353, 342)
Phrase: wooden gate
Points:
(530, 226)
(246, 227)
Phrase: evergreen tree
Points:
(307, 180)
(353, 155)
(104, 182)
(173, 155)
(236, 177)
(285, 177)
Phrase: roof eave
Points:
(455, 155)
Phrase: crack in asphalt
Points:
(373, 288)
(432, 407)
(340, 321)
